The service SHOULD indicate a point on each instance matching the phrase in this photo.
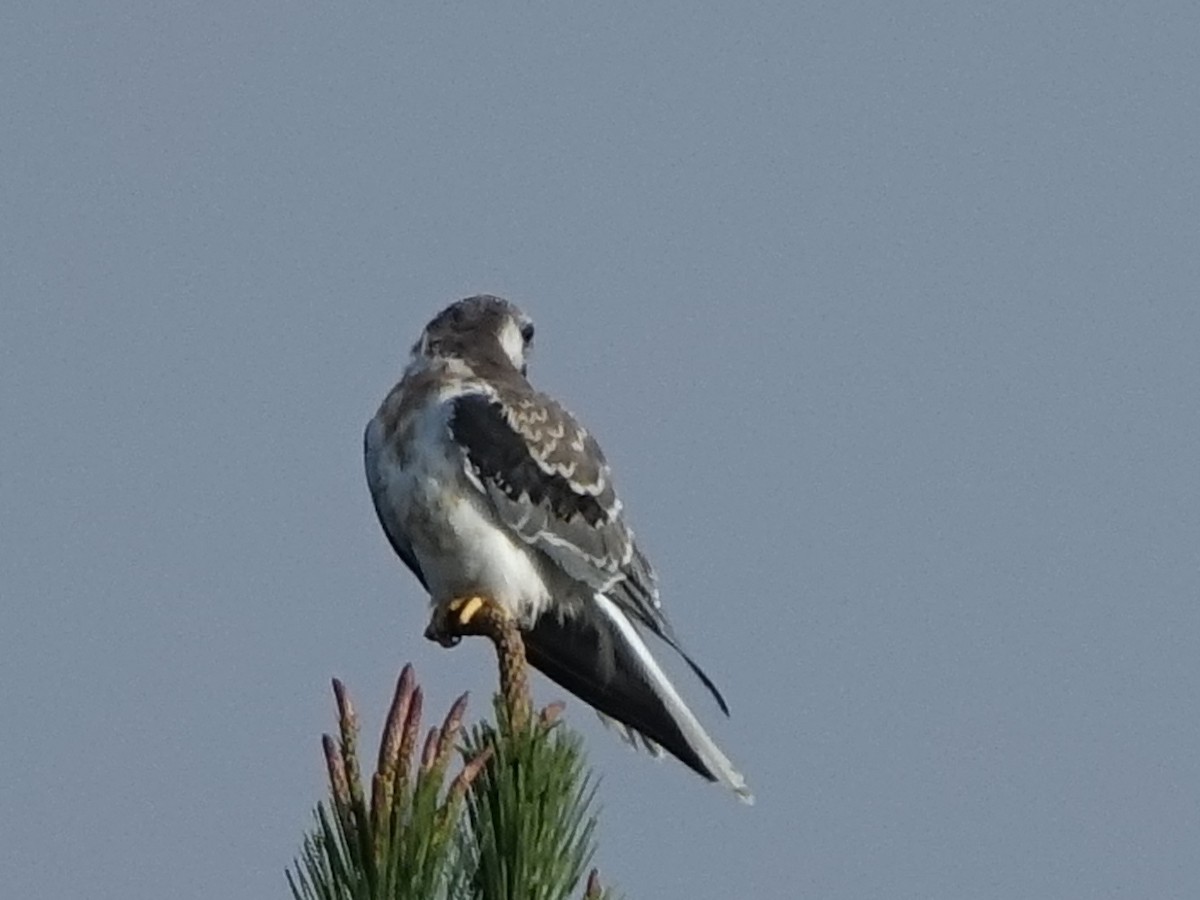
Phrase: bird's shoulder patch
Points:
(534, 451)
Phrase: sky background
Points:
(887, 316)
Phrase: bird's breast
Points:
(460, 542)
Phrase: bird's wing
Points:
(373, 459)
(549, 482)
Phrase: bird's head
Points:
(478, 329)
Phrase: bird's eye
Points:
(527, 332)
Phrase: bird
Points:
(486, 487)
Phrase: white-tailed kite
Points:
(486, 487)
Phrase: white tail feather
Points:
(716, 761)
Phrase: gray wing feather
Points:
(548, 481)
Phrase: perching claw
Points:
(477, 615)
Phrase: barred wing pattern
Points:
(548, 481)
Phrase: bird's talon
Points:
(436, 632)
(450, 621)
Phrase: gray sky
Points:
(887, 317)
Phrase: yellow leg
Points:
(463, 609)
(461, 616)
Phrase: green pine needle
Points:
(513, 823)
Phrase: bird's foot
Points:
(451, 621)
